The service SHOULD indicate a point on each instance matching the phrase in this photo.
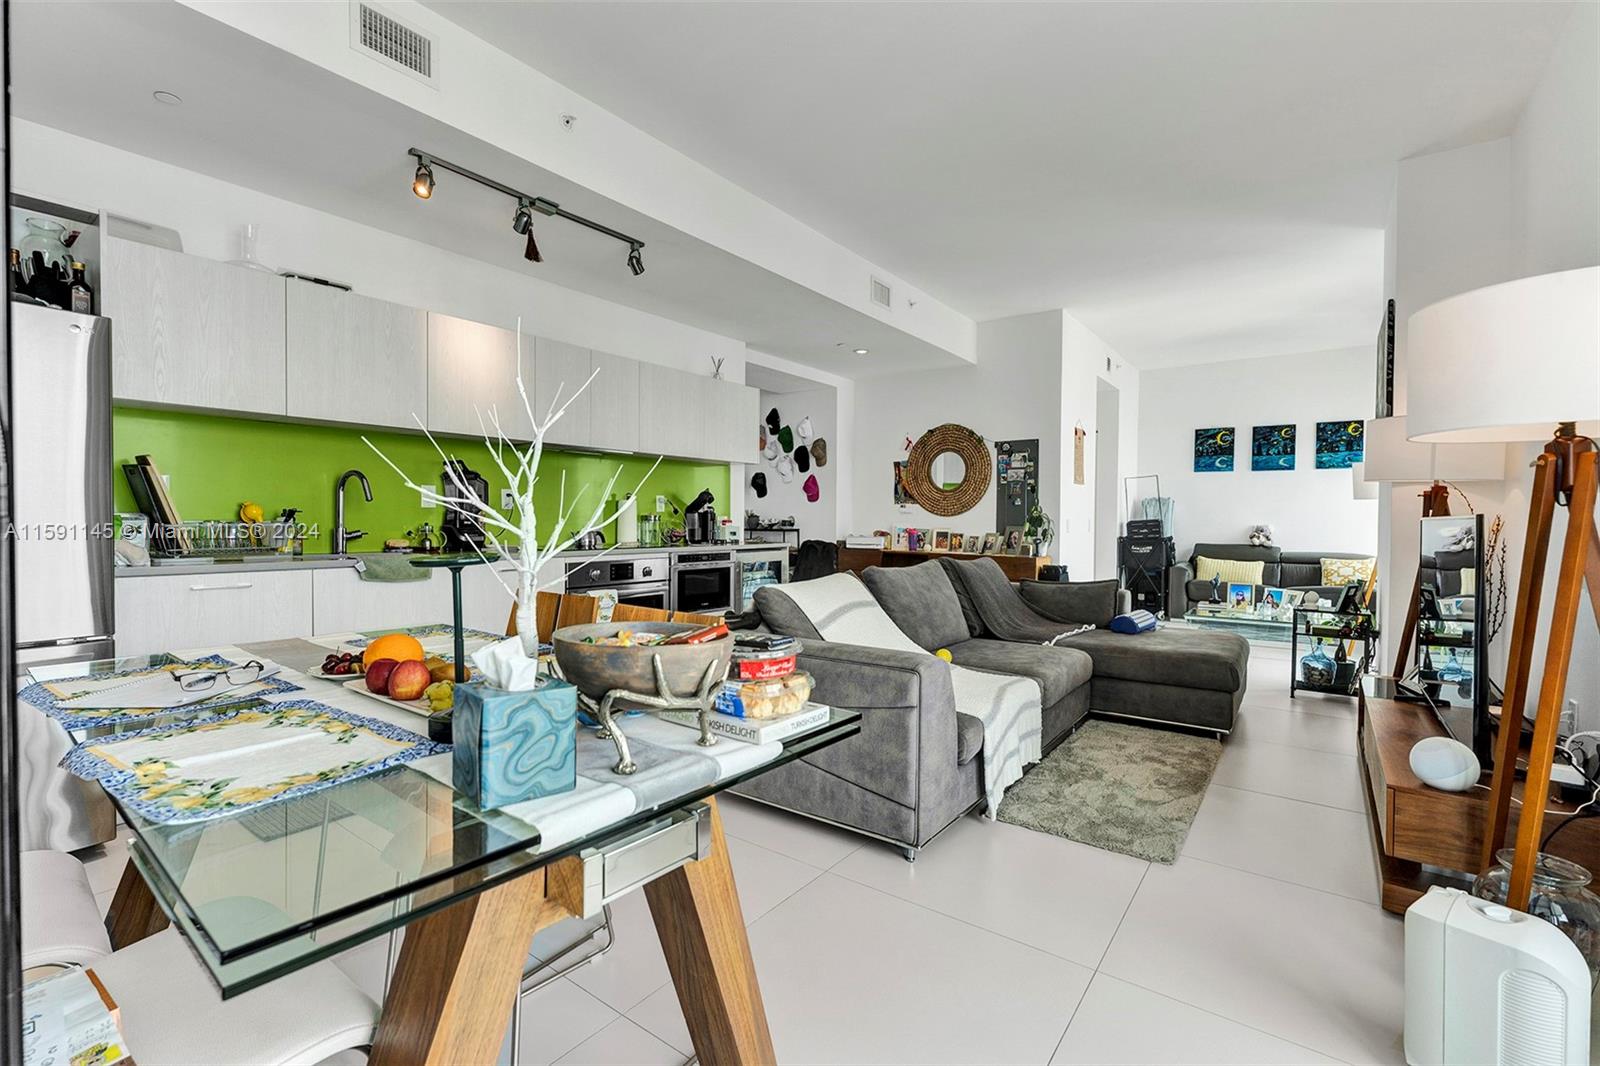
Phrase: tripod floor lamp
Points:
(1521, 362)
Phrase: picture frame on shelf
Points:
(941, 540)
(1012, 545)
(991, 544)
(900, 541)
(1241, 596)
(958, 542)
(1275, 598)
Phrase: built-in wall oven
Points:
(705, 582)
(642, 581)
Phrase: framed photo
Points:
(1241, 597)
(1026, 548)
(991, 543)
(941, 540)
(1276, 598)
(1013, 541)
(958, 542)
(900, 542)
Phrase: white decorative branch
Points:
(520, 468)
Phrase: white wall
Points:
(1309, 509)
(1035, 378)
(208, 214)
(819, 520)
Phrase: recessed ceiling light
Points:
(861, 351)
(161, 96)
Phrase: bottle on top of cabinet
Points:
(80, 295)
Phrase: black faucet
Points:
(342, 536)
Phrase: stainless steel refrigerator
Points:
(63, 542)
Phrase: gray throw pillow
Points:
(1082, 602)
(920, 600)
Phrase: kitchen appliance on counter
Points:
(462, 532)
(640, 581)
(700, 520)
(649, 531)
(705, 582)
(592, 541)
(65, 544)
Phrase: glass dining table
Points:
(264, 892)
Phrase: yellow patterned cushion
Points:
(1469, 582)
(1344, 571)
(1228, 570)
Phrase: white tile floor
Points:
(1262, 944)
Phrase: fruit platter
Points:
(396, 669)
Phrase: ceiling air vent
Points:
(881, 294)
(385, 38)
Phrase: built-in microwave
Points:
(704, 582)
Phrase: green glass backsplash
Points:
(215, 463)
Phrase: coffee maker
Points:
(700, 519)
(462, 532)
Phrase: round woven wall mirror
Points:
(948, 470)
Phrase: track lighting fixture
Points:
(422, 184)
(522, 221)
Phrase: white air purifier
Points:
(1489, 985)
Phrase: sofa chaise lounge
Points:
(916, 765)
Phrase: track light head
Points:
(522, 221)
(422, 184)
(635, 260)
(531, 252)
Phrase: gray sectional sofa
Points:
(1295, 571)
(916, 765)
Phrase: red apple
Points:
(408, 680)
(378, 675)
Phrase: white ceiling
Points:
(262, 118)
(1194, 182)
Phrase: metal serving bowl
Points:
(600, 668)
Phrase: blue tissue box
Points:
(515, 746)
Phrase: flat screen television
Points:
(1449, 663)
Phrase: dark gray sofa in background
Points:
(1297, 571)
(916, 765)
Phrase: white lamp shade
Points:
(1391, 455)
(1506, 362)
(1360, 487)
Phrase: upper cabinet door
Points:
(191, 331)
(672, 412)
(614, 404)
(473, 367)
(731, 423)
(355, 359)
(563, 367)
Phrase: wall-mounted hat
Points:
(802, 458)
(819, 452)
(771, 448)
(773, 421)
(759, 483)
(786, 468)
(805, 428)
(812, 489)
(786, 439)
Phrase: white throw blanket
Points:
(841, 609)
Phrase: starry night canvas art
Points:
(1272, 448)
(1213, 450)
(1340, 444)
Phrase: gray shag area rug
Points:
(1121, 787)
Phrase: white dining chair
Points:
(171, 1011)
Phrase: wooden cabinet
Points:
(472, 367)
(193, 332)
(174, 612)
(562, 368)
(355, 359)
(344, 602)
(614, 404)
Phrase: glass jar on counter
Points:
(1560, 896)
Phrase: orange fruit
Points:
(397, 646)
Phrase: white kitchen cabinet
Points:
(561, 369)
(731, 421)
(614, 404)
(193, 332)
(485, 603)
(671, 412)
(355, 359)
(345, 602)
(473, 367)
(173, 612)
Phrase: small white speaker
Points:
(1445, 763)
(1490, 986)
